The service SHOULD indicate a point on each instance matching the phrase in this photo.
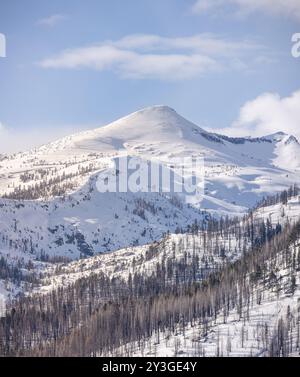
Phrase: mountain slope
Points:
(158, 304)
(160, 133)
(207, 244)
(57, 210)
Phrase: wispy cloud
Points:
(267, 114)
(286, 8)
(205, 43)
(52, 20)
(152, 56)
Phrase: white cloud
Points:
(52, 20)
(153, 56)
(130, 64)
(267, 114)
(205, 43)
(286, 8)
(172, 67)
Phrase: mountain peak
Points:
(156, 108)
(152, 112)
(291, 140)
(151, 123)
(282, 137)
(276, 137)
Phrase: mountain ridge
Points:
(160, 112)
(55, 186)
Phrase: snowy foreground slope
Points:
(211, 247)
(260, 314)
(266, 324)
(246, 334)
(50, 204)
(266, 303)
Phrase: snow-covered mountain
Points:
(151, 245)
(247, 166)
(51, 206)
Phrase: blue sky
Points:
(74, 64)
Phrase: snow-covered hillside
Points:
(59, 211)
(236, 169)
(178, 260)
(89, 222)
(51, 205)
(235, 336)
(212, 248)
